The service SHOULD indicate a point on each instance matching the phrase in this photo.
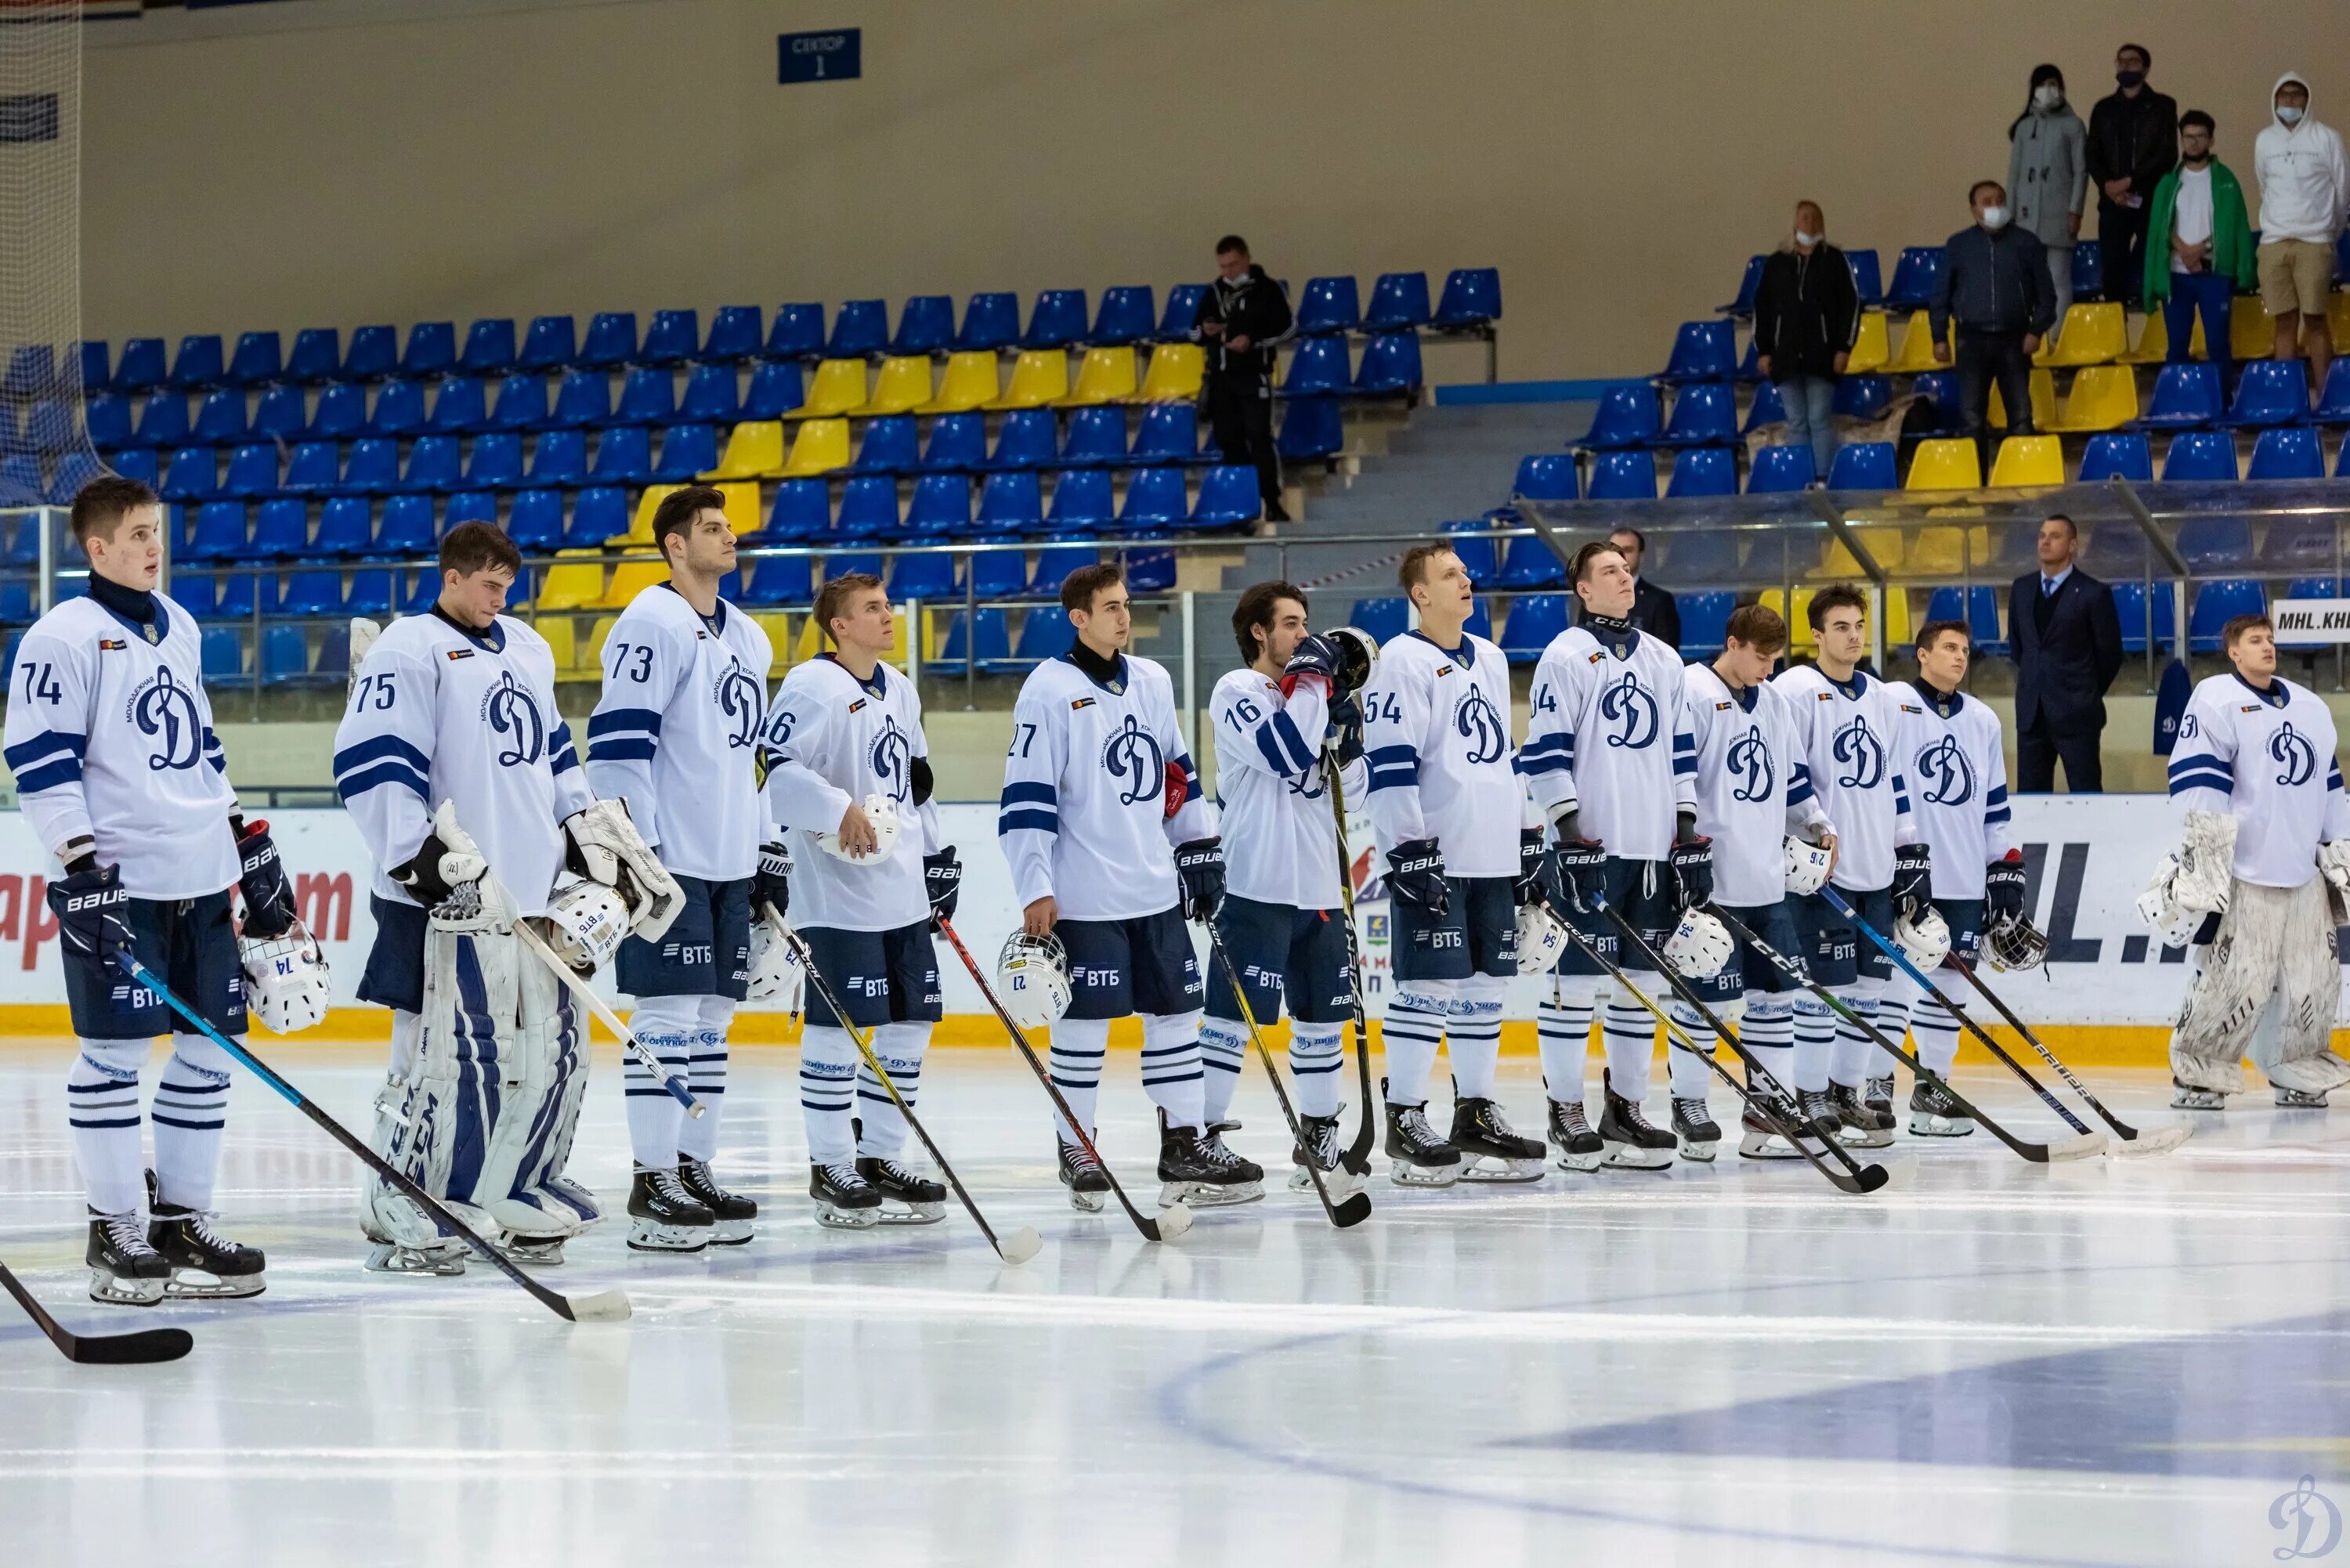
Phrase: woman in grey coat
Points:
(2048, 176)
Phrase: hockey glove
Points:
(1316, 655)
(1693, 871)
(2004, 886)
(1581, 866)
(1201, 863)
(1533, 867)
(769, 884)
(1913, 879)
(1415, 875)
(1346, 729)
(942, 875)
(268, 899)
(90, 905)
(1180, 785)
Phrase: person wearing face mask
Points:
(2304, 192)
(2048, 171)
(1806, 318)
(1995, 284)
(2132, 143)
(2198, 245)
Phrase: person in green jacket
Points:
(2198, 245)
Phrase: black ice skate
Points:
(732, 1210)
(1195, 1169)
(1858, 1123)
(1633, 1141)
(1765, 1127)
(125, 1269)
(1693, 1124)
(1491, 1149)
(1082, 1173)
(908, 1198)
(2189, 1097)
(1933, 1113)
(1421, 1158)
(1579, 1149)
(220, 1268)
(1878, 1096)
(663, 1217)
(1322, 1146)
(1822, 1118)
(844, 1199)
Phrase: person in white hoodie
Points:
(2305, 193)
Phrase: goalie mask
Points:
(1924, 939)
(2015, 943)
(1699, 946)
(286, 982)
(882, 812)
(1032, 980)
(1542, 938)
(1806, 866)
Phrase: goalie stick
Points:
(140, 1347)
(1358, 1158)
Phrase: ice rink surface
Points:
(2100, 1363)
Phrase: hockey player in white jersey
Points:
(1949, 750)
(1449, 812)
(1771, 840)
(1112, 846)
(1282, 908)
(1846, 720)
(676, 735)
(1610, 762)
(849, 776)
(2259, 882)
(109, 736)
(461, 775)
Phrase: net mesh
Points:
(45, 450)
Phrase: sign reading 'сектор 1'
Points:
(836, 56)
(2306, 621)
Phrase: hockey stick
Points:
(2064, 1148)
(140, 1347)
(1358, 1205)
(1173, 1220)
(1855, 1177)
(1018, 1247)
(2037, 1153)
(537, 945)
(2134, 1142)
(1358, 1158)
(605, 1306)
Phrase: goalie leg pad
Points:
(430, 1120)
(2235, 978)
(545, 1078)
(2299, 1054)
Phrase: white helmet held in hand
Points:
(1542, 938)
(775, 974)
(1032, 980)
(1923, 938)
(1807, 866)
(588, 920)
(1699, 946)
(882, 812)
(286, 982)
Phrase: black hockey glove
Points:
(942, 875)
(1346, 729)
(768, 884)
(421, 875)
(1913, 878)
(268, 898)
(1581, 864)
(1201, 863)
(1415, 875)
(1693, 872)
(2004, 886)
(1533, 867)
(90, 905)
(1316, 655)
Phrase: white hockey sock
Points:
(1893, 1014)
(1317, 1066)
(1816, 1031)
(1079, 1047)
(1223, 1048)
(1414, 1029)
(1171, 1066)
(697, 1137)
(667, 1026)
(1935, 1029)
(1768, 1033)
(828, 1062)
(1685, 1070)
(190, 1110)
(1562, 1035)
(1854, 1050)
(1473, 1035)
(900, 1047)
(1629, 1032)
(102, 1107)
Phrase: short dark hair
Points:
(2235, 629)
(471, 547)
(1836, 596)
(1933, 629)
(1079, 588)
(1412, 570)
(830, 599)
(100, 506)
(1639, 540)
(680, 508)
(2066, 518)
(2145, 54)
(2195, 117)
(1975, 188)
(1230, 244)
(1255, 611)
(1580, 567)
(1758, 627)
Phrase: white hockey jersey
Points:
(1608, 735)
(831, 741)
(1847, 734)
(1083, 819)
(437, 713)
(1955, 763)
(111, 737)
(676, 733)
(1753, 787)
(2269, 762)
(1436, 733)
(1280, 845)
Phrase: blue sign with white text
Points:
(836, 56)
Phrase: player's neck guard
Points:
(1109, 672)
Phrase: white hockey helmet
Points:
(1699, 946)
(1542, 938)
(286, 982)
(1032, 980)
(2014, 942)
(586, 921)
(883, 812)
(1923, 938)
(1807, 866)
(1359, 655)
(775, 974)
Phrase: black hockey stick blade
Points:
(140, 1347)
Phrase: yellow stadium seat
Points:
(1917, 353)
(1897, 616)
(1040, 378)
(561, 636)
(755, 451)
(1106, 376)
(811, 644)
(2089, 335)
(779, 628)
(1883, 544)
(821, 446)
(2153, 341)
(2337, 319)
(1938, 553)
(2103, 397)
(1873, 349)
(574, 582)
(2250, 334)
(838, 387)
(640, 528)
(2044, 403)
(1175, 373)
(742, 507)
(1949, 465)
(591, 652)
(630, 578)
(1799, 628)
(903, 386)
(2026, 460)
(972, 381)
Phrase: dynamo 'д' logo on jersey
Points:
(1855, 746)
(743, 701)
(165, 711)
(509, 711)
(2295, 757)
(1131, 755)
(1749, 763)
(891, 757)
(1629, 706)
(1479, 723)
(1944, 776)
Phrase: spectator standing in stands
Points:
(1806, 320)
(2198, 248)
(2132, 143)
(2048, 172)
(1653, 609)
(1242, 317)
(1995, 284)
(2068, 649)
(2304, 190)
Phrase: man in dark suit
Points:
(2068, 649)
(1653, 609)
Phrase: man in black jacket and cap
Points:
(1242, 317)
(1994, 285)
(2132, 143)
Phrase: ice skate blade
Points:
(2198, 1100)
(1866, 1137)
(1701, 1151)
(1500, 1167)
(537, 1252)
(1209, 1194)
(1924, 1124)
(2087, 1146)
(2149, 1142)
(1585, 1161)
(109, 1289)
(1766, 1146)
(1403, 1173)
(1087, 1202)
(730, 1233)
(896, 1213)
(1340, 1182)
(2298, 1100)
(846, 1219)
(644, 1237)
(388, 1259)
(1635, 1156)
(194, 1285)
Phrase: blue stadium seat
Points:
(1748, 280)
(925, 325)
(1096, 437)
(610, 343)
(2199, 455)
(317, 356)
(315, 592)
(1534, 620)
(345, 527)
(315, 467)
(141, 368)
(2334, 403)
(687, 452)
(1065, 555)
(1478, 558)
(1627, 416)
(535, 522)
(431, 350)
(1044, 633)
(75, 469)
(648, 396)
(219, 533)
(1150, 571)
(2217, 603)
(775, 390)
(1330, 305)
(735, 331)
(892, 445)
(1940, 388)
(1182, 310)
(2291, 452)
(459, 407)
(471, 506)
(284, 653)
(164, 421)
(2088, 269)
(672, 338)
(1704, 471)
(341, 413)
(1529, 562)
(1155, 498)
(958, 443)
(2125, 454)
(624, 455)
(1317, 365)
(1914, 276)
(424, 592)
(108, 420)
(922, 577)
(1705, 413)
(1472, 297)
(801, 513)
(1310, 427)
(710, 397)
(434, 464)
(1228, 498)
(1011, 503)
(551, 344)
(224, 646)
(489, 347)
(2270, 392)
(1384, 619)
(1399, 303)
(279, 416)
(1081, 503)
(1703, 351)
(220, 419)
(869, 508)
(1981, 612)
(1125, 315)
(20, 479)
(840, 564)
(989, 321)
(780, 580)
(1058, 320)
(370, 593)
(2211, 544)
(1779, 469)
(600, 513)
(1767, 408)
(258, 360)
(992, 644)
(559, 458)
(860, 331)
(1546, 476)
(1863, 465)
(399, 410)
(495, 462)
(1029, 439)
(584, 399)
(192, 475)
(140, 466)
(1864, 397)
(281, 530)
(1481, 620)
(408, 529)
(1867, 277)
(1705, 622)
(374, 353)
(97, 375)
(797, 333)
(1000, 574)
(242, 594)
(940, 508)
(1390, 361)
(1624, 476)
(199, 364)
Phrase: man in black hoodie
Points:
(2132, 143)
(1241, 318)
